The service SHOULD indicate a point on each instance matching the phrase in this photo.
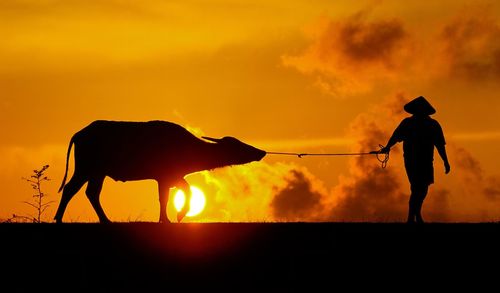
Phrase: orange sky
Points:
(302, 76)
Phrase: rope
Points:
(383, 160)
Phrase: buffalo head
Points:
(236, 151)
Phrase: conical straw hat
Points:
(419, 106)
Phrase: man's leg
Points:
(411, 206)
(422, 193)
(418, 194)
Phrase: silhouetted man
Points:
(419, 133)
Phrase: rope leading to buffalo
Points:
(383, 158)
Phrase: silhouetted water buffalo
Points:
(159, 150)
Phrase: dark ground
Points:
(241, 257)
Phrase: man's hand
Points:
(384, 150)
(446, 167)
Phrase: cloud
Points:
(437, 205)
(363, 42)
(368, 192)
(242, 192)
(470, 45)
(340, 58)
(261, 192)
(356, 54)
(287, 192)
(297, 200)
(374, 196)
(468, 165)
(475, 193)
(492, 189)
(473, 178)
(349, 55)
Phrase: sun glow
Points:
(198, 201)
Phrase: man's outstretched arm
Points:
(442, 152)
(392, 141)
(396, 137)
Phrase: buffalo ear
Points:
(211, 139)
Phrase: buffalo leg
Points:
(163, 192)
(70, 189)
(93, 191)
(182, 184)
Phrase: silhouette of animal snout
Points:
(242, 152)
(157, 150)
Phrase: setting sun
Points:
(197, 201)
